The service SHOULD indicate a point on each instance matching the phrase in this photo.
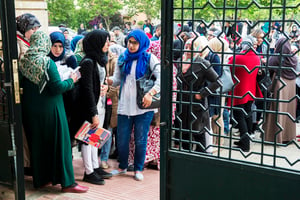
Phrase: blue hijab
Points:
(142, 57)
(74, 41)
(57, 37)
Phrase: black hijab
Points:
(93, 43)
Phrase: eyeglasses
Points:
(133, 42)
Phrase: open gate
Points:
(270, 169)
(11, 146)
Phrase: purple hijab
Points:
(283, 47)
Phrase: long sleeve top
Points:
(128, 95)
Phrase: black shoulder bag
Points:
(144, 85)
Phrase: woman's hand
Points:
(198, 96)
(103, 91)
(147, 100)
(95, 121)
(259, 72)
(109, 81)
(74, 77)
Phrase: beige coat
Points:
(113, 92)
(22, 46)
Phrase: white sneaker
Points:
(252, 136)
(138, 176)
(118, 172)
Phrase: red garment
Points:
(149, 35)
(153, 146)
(155, 48)
(246, 78)
(28, 44)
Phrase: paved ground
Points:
(126, 188)
(122, 187)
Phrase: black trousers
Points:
(243, 117)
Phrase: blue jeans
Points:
(226, 121)
(141, 125)
(105, 150)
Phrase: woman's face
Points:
(30, 32)
(188, 46)
(66, 34)
(260, 39)
(57, 49)
(106, 46)
(133, 45)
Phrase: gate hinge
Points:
(12, 153)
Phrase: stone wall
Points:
(35, 7)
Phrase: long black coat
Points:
(201, 80)
(87, 94)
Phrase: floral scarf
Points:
(35, 62)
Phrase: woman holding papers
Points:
(44, 117)
(66, 63)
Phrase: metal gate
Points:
(11, 146)
(191, 169)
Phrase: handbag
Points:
(264, 80)
(226, 79)
(144, 85)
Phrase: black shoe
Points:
(244, 149)
(152, 166)
(103, 174)
(237, 143)
(130, 168)
(114, 155)
(28, 171)
(93, 178)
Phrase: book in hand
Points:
(96, 137)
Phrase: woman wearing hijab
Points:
(27, 24)
(58, 54)
(152, 158)
(78, 52)
(65, 63)
(285, 90)
(74, 41)
(90, 100)
(195, 65)
(44, 117)
(245, 68)
(133, 64)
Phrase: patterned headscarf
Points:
(55, 38)
(35, 62)
(141, 55)
(26, 22)
(79, 51)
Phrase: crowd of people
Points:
(259, 51)
(105, 93)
